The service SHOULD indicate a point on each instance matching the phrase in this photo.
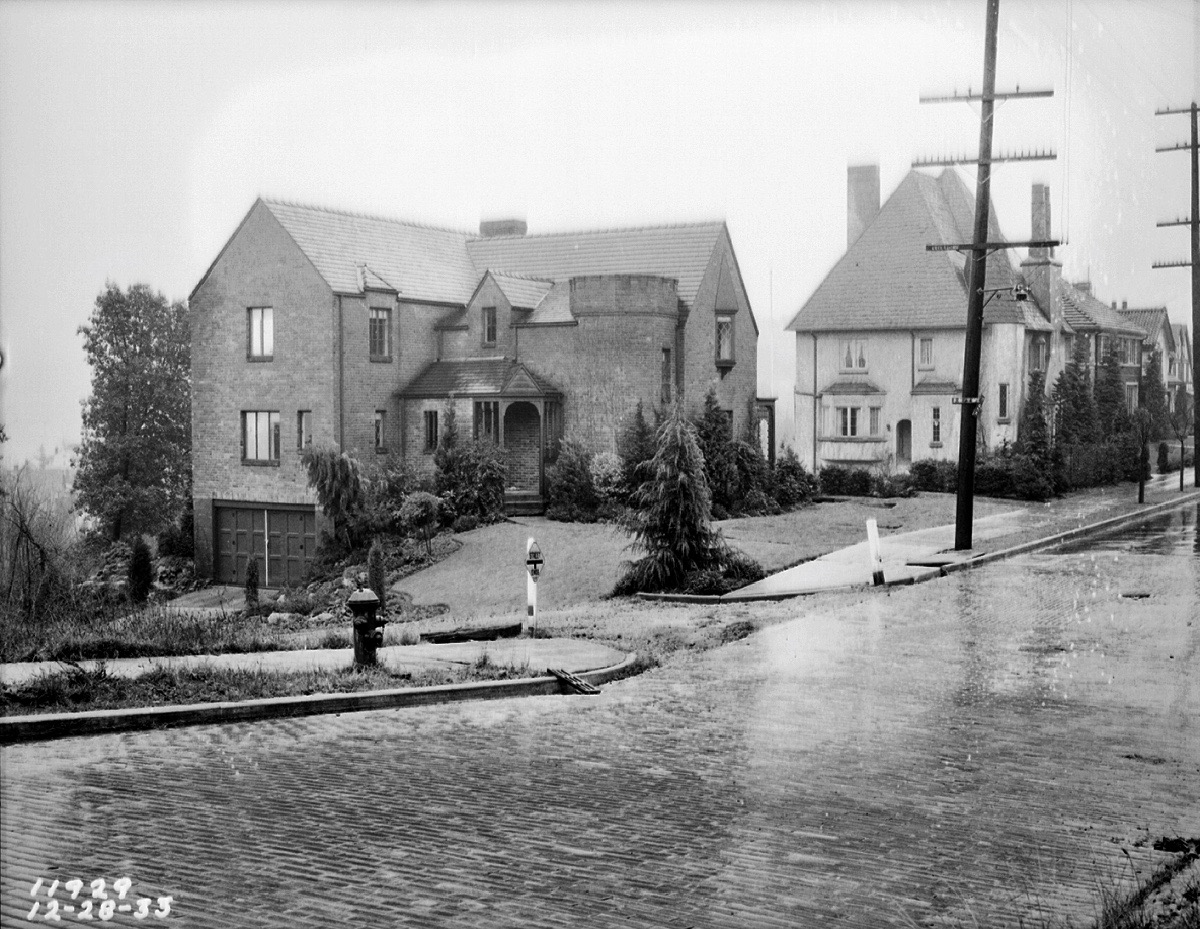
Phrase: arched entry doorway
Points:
(523, 446)
(904, 442)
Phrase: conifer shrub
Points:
(465, 523)
(794, 485)
(838, 480)
(141, 571)
(608, 481)
(252, 584)
(636, 446)
(935, 476)
(570, 494)
(377, 573)
(1164, 458)
(469, 475)
(337, 480)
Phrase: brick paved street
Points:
(956, 753)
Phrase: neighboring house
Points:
(1179, 371)
(880, 343)
(1159, 340)
(314, 326)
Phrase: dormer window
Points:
(489, 325)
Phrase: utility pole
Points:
(978, 250)
(1194, 222)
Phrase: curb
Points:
(40, 727)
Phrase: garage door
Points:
(282, 540)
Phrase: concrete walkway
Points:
(575, 655)
(910, 557)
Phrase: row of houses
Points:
(880, 343)
(322, 327)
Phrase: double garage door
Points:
(282, 540)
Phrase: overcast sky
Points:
(135, 136)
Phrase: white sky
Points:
(135, 136)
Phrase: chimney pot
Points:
(1124, 304)
(1040, 221)
(495, 227)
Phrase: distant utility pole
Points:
(1194, 222)
(979, 249)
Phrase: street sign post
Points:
(533, 567)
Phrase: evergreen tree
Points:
(141, 571)
(377, 573)
(715, 439)
(134, 461)
(1074, 407)
(1152, 397)
(1111, 414)
(252, 584)
(671, 514)
(636, 446)
(337, 479)
(1033, 434)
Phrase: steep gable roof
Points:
(887, 279)
(1151, 321)
(682, 252)
(524, 293)
(477, 377)
(420, 262)
(1084, 313)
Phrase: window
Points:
(431, 430)
(937, 425)
(724, 339)
(874, 420)
(1039, 354)
(381, 334)
(303, 428)
(668, 375)
(847, 421)
(487, 420)
(1131, 397)
(1002, 406)
(260, 324)
(381, 430)
(1171, 365)
(854, 355)
(260, 436)
(489, 325)
(1129, 351)
(926, 353)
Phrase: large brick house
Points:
(880, 343)
(314, 326)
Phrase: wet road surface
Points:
(963, 752)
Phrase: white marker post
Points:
(533, 564)
(876, 556)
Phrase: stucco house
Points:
(1179, 371)
(880, 343)
(316, 326)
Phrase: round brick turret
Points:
(605, 294)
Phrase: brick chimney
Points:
(862, 199)
(1040, 222)
(495, 227)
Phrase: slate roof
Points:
(887, 279)
(554, 308)
(1151, 321)
(471, 377)
(421, 262)
(681, 251)
(524, 293)
(1084, 313)
(854, 388)
(935, 388)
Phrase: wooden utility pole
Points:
(978, 251)
(1194, 222)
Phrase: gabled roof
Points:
(1182, 339)
(524, 293)
(858, 387)
(887, 279)
(555, 307)
(1084, 313)
(420, 262)
(682, 252)
(1151, 321)
(481, 377)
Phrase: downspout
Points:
(814, 402)
(341, 388)
(912, 361)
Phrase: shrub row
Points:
(841, 481)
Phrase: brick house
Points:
(314, 326)
(880, 343)
(1179, 367)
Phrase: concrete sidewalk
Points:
(911, 557)
(575, 655)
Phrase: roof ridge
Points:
(612, 230)
(522, 277)
(379, 217)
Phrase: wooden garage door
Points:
(284, 542)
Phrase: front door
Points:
(904, 441)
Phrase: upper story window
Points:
(937, 425)
(724, 339)
(260, 333)
(260, 436)
(1039, 354)
(381, 334)
(1128, 350)
(926, 359)
(431, 430)
(489, 325)
(1002, 406)
(1171, 365)
(668, 375)
(303, 429)
(1131, 396)
(853, 355)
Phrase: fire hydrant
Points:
(368, 631)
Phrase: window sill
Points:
(725, 363)
(1003, 420)
(853, 438)
(255, 359)
(381, 451)
(853, 371)
(382, 359)
(256, 463)
(935, 444)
